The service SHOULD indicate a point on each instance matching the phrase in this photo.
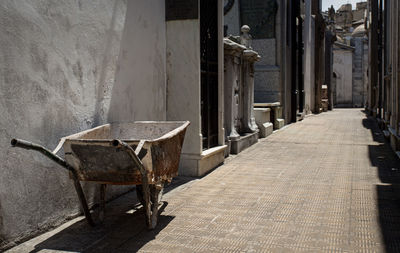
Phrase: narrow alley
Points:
(327, 183)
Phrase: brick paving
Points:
(326, 184)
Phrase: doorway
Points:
(209, 72)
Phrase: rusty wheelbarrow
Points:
(142, 153)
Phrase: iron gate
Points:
(209, 72)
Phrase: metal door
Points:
(209, 72)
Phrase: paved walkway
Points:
(326, 184)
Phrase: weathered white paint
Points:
(184, 92)
(183, 77)
(58, 64)
(342, 66)
(57, 61)
(139, 92)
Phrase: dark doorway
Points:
(209, 72)
(300, 59)
(296, 43)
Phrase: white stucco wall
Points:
(342, 66)
(183, 68)
(140, 88)
(58, 64)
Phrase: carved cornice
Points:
(233, 48)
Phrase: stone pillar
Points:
(249, 123)
(240, 124)
(232, 63)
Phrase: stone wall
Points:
(267, 73)
(358, 75)
(267, 78)
(309, 60)
(59, 60)
(365, 72)
(232, 19)
(342, 67)
(139, 92)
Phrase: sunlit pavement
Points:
(326, 184)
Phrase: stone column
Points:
(249, 58)
(232, 60)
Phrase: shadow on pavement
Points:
(388, 193)
(122, 230)
(377, 135)
(177, 182)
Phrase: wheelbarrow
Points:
(142, 153)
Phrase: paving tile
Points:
(325, 184)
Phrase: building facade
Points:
(70, 66)
(384, 87)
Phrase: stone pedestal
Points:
(241, 130)
(249, 57)
(243, 142)
(276, 113)
(263, 121)
(200, 164)
(232, 64)
(394, 139)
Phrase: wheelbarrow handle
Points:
(29, 145)
(145, 181)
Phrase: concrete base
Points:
(300, 116)
(325, 105)
(279, 123)
(394, 139)
(243, 142)
(276, 113)
(198, 165)
(386, 133)
(265, 129)
(228, 148)
(263, 118)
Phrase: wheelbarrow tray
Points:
(95, 158)
(144, 153)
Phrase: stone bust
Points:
(245, 37)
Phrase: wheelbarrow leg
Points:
(82, 199)
(156, 191)
(145, 180)
(103, 188)
(146, 197)
(139, 194)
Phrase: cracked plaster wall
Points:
(58, 65)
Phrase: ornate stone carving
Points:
(245, 37)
